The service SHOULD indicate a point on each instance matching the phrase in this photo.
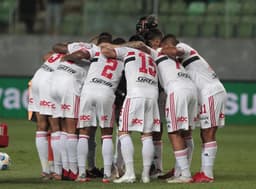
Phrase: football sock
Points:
(72, 152)
(107, 153)
(55, 140)
(147, 154)
(63, 148)
(127, 149)
(42, 149)
(82, 153)
(208, 156)
(181, 157)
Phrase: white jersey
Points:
(103, 72)
(199, 70)
(170, 71)
(140, 72)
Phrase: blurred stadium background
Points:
(223, 31)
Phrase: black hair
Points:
(118, 41)
(170, 37)
(137, 37)
(104, 37)
(146, 23)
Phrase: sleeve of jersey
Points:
(184, 48)
(120, 52)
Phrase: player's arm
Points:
(78, 55)
(60, 48)
(108, 52)
(137, 45)
(172, 51)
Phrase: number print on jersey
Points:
(111, 66)
(54, 57)
(147, 65)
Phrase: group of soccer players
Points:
(140, 84)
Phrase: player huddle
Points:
(139, 85)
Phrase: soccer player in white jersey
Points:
(97, 100)
(212, 98)
(66, 86)
(153, 38)
(140, 109)
(181, 110)
(42, 105)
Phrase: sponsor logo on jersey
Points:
(146, 80)
(157, 121)
(66, 68)
(85, 117)
(65, 107)
(46, 103)
(101, 81)
(137, 121)
(182, 119)
(47, 68)
(104, 118)
(184, 75)
(31, 100)
(222, 115)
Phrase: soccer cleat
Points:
(145, 179)
(180, 179)
(200, 177)
(169, 174)
(82, 178)
(114, 172)
(65, 174)
(94, 173)
(156, 173)
(125, 179)
(72, 176)
(106, 179)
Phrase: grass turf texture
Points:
(235, 166)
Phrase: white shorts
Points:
(181, 109)
(212, 110)
(140, 114)
(65, 92)
(95, 107)
(39, 93)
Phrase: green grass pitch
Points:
(235, 166)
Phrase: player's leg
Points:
(181, 157)
(107, 152)
(72, 147)
(42, 143)
(127, 147)
(64, 150)
(147, 156)
(55, 143)
(82, 153)
(212, 117)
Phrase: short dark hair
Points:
(170, 37)
(137, 37)
(146, 23)
(118, 40)
(152, 34)
(104, 37)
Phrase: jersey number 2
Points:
(111, 66)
